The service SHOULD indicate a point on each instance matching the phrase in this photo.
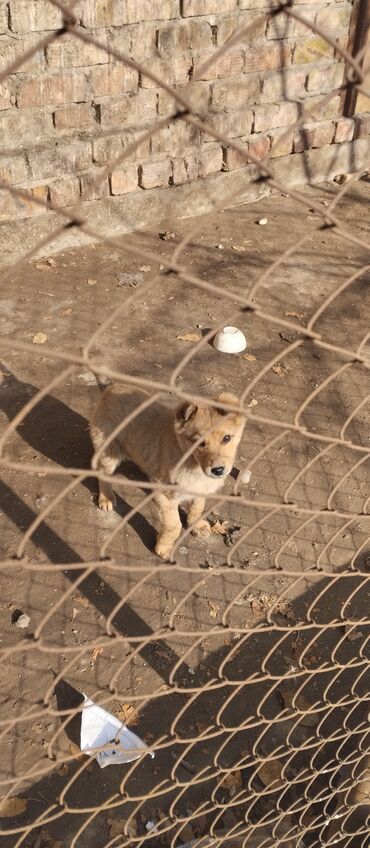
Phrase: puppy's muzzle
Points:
(218, 471)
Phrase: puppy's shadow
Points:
(57, 432)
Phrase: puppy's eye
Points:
(226, 439)
(202, 445)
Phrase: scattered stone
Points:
(166, 236)
(262, 222)
(22, 621)
(126, 279)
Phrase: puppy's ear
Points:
(230, 400)
(184, 413)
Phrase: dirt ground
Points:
(190, 645)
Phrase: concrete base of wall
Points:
(116, 216)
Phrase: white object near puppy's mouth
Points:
(230, 340)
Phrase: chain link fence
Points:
(242, 665)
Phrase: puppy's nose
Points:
(218, 471)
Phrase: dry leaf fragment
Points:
(96, 653)
(279, 369)
(68, 311)
(270, 772)
(44, 839)
(40, 338)
(117, 828)
(294, 314)
(239, 248)
(81, 600)
(189, 337)
(44, 266)
(232, 781)
(220, 527)
(91, 281)
(10, 807)
(253, 402)
(300, 703)
(249, 357)
(64, 769)
(213, 609)
(127, 714)
(166, 235)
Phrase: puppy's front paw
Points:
(202, 528)
(107, 504)
(163, 548)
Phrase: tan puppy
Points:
(158, 440)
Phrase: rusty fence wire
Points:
(242, 665)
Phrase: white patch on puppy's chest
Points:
(193, 482)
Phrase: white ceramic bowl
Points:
(230, 340)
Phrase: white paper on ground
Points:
(99, 728)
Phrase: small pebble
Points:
(23, 621)
(262, 221)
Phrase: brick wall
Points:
(72, 108)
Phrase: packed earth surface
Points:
(200, 656)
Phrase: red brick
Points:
(52, 89)
(64, 192)
(233, 159)
(34, 15)
(90, 188)
(281, 142)
(5, 96)
(206, 7)
(362, 126)
(12, 49)
(231, 125)
(283, 26)
(333, 19)
(314, 135)
(19, 128)
(3, 16)
(70, 52)
(108, 148)
(259, 146)
(230, 64)
(210, 159)
(184, 35)
(174, 70)
(185, 170)
(106, 80)
(78, 116)
(274, 115)
(234, 94)
(124, 179)
(175, 138)
(311, 50)
(289, 85)
(198, 95)
(267, 58)
(13, 169)
(17, 207)
(325, 78)
(225, 27)
(58, 160)
(345, 129)
(116, 12)
(154, 173)
(317, 110)
(135, 110)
